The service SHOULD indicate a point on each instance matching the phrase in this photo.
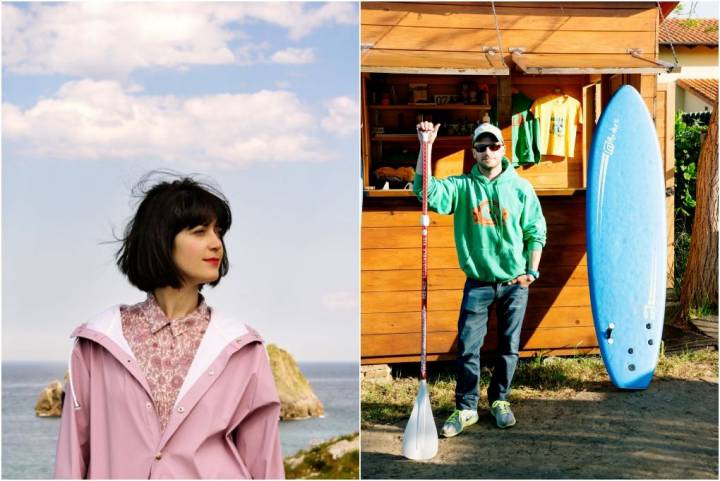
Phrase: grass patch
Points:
(703, 311)
(547, 377)
(318, 463)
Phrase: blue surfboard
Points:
(626, 239)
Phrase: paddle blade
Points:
(420, 440)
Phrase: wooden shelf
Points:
(430, 107)
(414, 137)
(389, 193)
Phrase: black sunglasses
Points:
(482, 147)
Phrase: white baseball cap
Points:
(488, 128)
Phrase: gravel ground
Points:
(669, 430)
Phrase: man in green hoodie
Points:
(499, 235)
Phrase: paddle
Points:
(420, 440)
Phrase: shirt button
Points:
(158, 456)
(211, 372)
(148, 405)
(181, 409)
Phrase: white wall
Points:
(696, 62)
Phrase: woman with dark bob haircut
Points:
(170, 387)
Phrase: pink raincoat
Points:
(224, 423)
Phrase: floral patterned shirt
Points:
(164, 348)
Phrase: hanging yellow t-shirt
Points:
(559, 116)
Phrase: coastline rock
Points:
(297, 399)
(337, 458)
(49, 401)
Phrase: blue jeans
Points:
(478, 298)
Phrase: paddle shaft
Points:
(424, 222)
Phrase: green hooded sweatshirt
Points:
(488, 249)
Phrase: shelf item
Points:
(389, 193)
(432, 106)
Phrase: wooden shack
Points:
(416, 59)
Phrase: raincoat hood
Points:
(106, 329)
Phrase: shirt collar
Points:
(157, 319)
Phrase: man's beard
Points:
(483, 167)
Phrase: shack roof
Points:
(698, 31)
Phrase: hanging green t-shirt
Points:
(525, 131)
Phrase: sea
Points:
(28, 441)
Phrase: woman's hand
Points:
(427, 127)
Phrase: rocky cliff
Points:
(297, 399)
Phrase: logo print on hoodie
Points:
(482, 213)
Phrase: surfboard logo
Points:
(608, 149)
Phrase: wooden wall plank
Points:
(446, 258)
(371, 34)
(454, 278)
(572, 17)
(587, 61)
(575, 351)
(404, 60)
(535, 41)
(449, 299)
(408, 322)
(557, 210)
(443, 236)
(446, 342)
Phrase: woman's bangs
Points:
(203, 209)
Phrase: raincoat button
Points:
(158, 456)
(148, 405)
(181, 409)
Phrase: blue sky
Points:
(259, 98)
(699, 9)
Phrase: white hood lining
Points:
(221, 331)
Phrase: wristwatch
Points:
(535, 274)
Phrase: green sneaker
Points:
(504, 416)
(458, 420)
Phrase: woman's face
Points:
(197, 253)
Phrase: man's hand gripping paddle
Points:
(420, 440)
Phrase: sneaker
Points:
(458, 420)
(504, 416)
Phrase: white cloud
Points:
(109, 40)
(342, 117)
(90, 119)
(340, 301)
(294, 56)
(252, 53)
